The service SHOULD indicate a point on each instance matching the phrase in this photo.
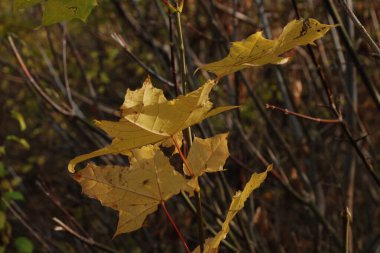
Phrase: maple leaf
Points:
(256, 50)
(206, 155)
(148, 118)
(212, 244)
(57, 10)
(134, 191)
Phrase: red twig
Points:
(183, 157)
(169, 217)
(171, 7)
(302, 116)
(174, 226)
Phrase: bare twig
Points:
(121, 41)
(27, 226)
(65, 74)
(372, 89)
(372, 44)
(302, 116)
(88, 241)
(64, 109)
(329, 95)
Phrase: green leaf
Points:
(2, 249)
(22, 4)
(61, 10)
(13, 195)
(3, 171)
(18, 116)
(19, 140)
(2, 150)
(23, 245)
(3, 219)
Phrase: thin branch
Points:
(236, 14)
(371, 87)
(182, 51)
(172, 59)
(64, 109)
(26, 225)
(121, 41)
(302, 116)
(88, 241)
(183, 158)
(65, 74)
(372, 44)
(348, 219)
(169, 216)
(174, 226)
(367, 81)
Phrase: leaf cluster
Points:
(148, 120)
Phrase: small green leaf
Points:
(23, 245)
(3, 171)
(19, 140)
(22, 4)
(3, 219)
(59, 10)
(2, 150)
(18, 116)
(13, 195)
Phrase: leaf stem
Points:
(175, 227)
(183, 158)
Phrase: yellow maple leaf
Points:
(256, 50)
(206, 155)
(134, 191)
(148, 118)
(212, 244)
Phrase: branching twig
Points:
(120, 40)
(332, 104)
(88, 241)
(372, 44)
(64, 109)
(302, 116)
(27, 226)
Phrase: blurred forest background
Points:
(324, 194)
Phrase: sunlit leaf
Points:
(212, 244)
(206, 155)
(256, 50)
(134, 191)
(58, 10)
(149, 118)
(55, 11)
